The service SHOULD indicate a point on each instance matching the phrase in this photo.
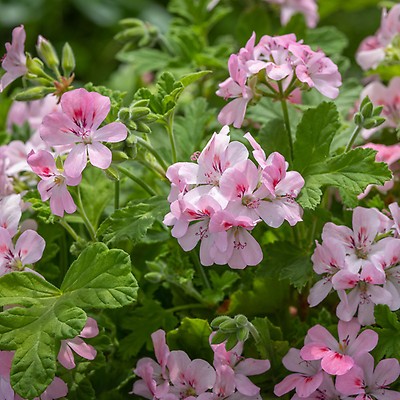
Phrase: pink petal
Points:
(58, 129)
(352, 382)
(65, 356)
(83, 349)
(30, 246)
(287, 384)
(202, 374)
(251, 366)
(319, 291)
(336, 364)
(386, 372)
(90, 329)
(76, 161)
(309, 384)
(245, 386)
(57, 389)
(99, 155)
(178, 362)
(114, 132)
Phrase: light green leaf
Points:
(133, 221)
(327, 38)
(351, 172)
(99, 278)
(186, 80)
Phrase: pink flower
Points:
(241, 367)
(14, 62)
(395, 211)
(316, 70)
(337, 358)
(290, 7)
(359, 243)
(365, 293)
(241, 248)
(77, 123)
(10, 213)
(365, 382)
(374, 49)
(65, 355)
(6, 185)
(28, 249)
(54, 182)
(234, 87)
(327, 260)
(307, 378)
(154, 383)
(189, 378)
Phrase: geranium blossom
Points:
(78, 123)
(28, 250)
(14, 61)
(337, 358)
(54, 182)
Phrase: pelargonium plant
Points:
(226, 227)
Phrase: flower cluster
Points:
(361, 264)
(223, 196)
(348, 360)
(175, 377)
(384, 44)
(280, 64)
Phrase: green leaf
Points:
(273, 137)
(192, 336)
(151, 316)
(327, 38)
(284, 260)
(95, 197)
(314, 136)
(133, 221)
(190, 127)
(186, 80)
(99, 278)
(265, 296)
(351, 172)
(145, 60)
(389, 333)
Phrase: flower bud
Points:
(377, 111)
(139, 112)
(241, 320)
(242, 334)
(216, 322)
(228, 326)
(47, 53)
(124, 114)
(154, 277)
(358, 119)
(119, 156)
(367, 109)
(34, 93)
(112, 173)
(34, 66)
(68, 60)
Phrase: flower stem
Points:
(353, 137)
(116, 195)
(153, 151)
(69, 229)
(85, 218)
(286, 119)
(169, 127)
(200, 268)
(137, 180)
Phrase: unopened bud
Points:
(364, 101)
(154, 277)
(124, 115)
(130, 22)
(241, 320)
(142, 127)
(242, 334)
(130, 33)
(34, 93)
(231, 342)
(358, 119)
(139, 112)
(47, 53)
(119, 156)
(228, 326)
(34, 66)
(377, 111)
(68, 60)
(367, 110)
(216, 322)
(373, 122)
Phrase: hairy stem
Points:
(137, 180)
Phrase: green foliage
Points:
(351, 172)
(45, 315)
(327, 38)
(389, 332)
(191, 126)
(192, 336)
(141, 323)
(285, 260)
(133, 221)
